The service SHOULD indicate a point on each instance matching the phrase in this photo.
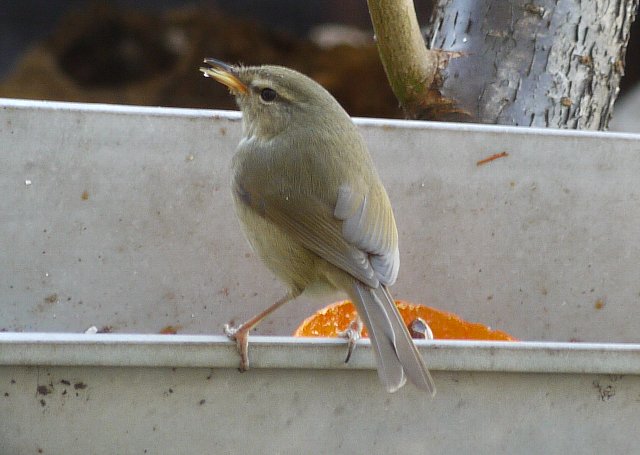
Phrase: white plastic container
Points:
(121, 218)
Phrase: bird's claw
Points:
(353, 333)
(230, 331)
(241, 337)
(420, 329)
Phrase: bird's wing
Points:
(368, 223)
(349, 235)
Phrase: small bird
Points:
(314, 209)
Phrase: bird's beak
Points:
(225, 74)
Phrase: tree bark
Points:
(545, 64)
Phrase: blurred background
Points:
(147, 52)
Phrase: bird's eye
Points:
(268, 95)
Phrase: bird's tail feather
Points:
(381, 335)
(396, 354)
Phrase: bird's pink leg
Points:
(241, 333)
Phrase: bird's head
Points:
(274, 99)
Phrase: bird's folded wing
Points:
(359, 244)
(369, 225)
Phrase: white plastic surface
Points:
(121, 217)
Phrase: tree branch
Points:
(410, 66)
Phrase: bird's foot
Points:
(420, 329)
(353, 333)
(240, 335)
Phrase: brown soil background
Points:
(109, 55)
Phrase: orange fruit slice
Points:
(334, 318)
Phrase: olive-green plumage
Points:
(313, 207)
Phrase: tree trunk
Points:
(545, 64)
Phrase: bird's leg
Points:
(241, 333)
(353, 333)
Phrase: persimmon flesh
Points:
(334, 318)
